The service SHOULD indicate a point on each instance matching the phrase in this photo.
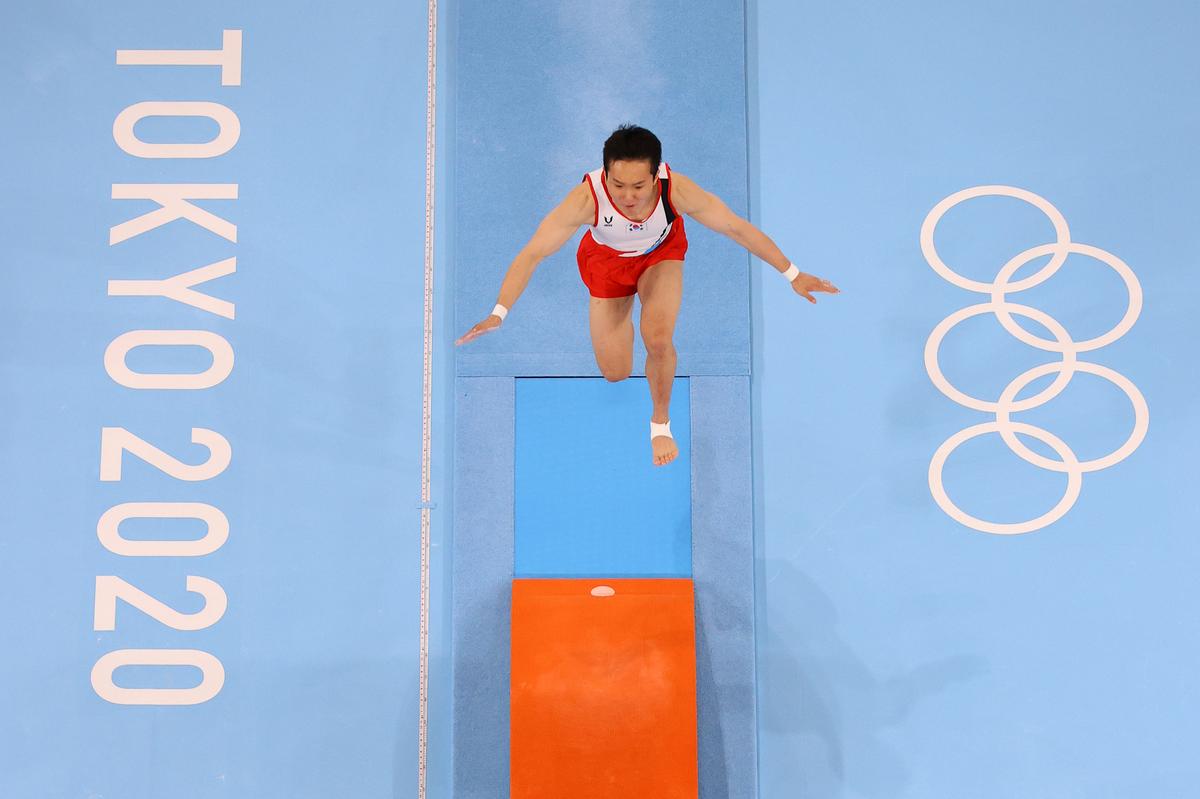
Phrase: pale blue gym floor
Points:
(853, 641)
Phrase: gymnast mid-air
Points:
(635, 245)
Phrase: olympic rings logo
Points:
(1063, 344)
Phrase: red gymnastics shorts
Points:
(608, 275)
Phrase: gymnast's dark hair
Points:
(631, 143)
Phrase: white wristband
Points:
(791, 272)
(500, 311)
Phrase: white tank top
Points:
(617, 231)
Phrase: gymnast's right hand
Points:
(493, 322)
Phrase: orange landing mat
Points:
(603, 689)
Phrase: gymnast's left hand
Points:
(805, 283)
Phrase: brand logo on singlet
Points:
(608, 221)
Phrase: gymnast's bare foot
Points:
(665, 449)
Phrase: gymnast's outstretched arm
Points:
(708, 209)
(559, 225)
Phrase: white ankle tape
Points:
(657, 429)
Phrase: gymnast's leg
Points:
(661, 289)
(611, 323)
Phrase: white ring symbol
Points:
(1062, 344)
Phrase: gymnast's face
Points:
(630, 184)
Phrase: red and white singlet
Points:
(613, 229)
(616, 251)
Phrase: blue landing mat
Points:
(588, 501)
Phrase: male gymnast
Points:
(636, 245)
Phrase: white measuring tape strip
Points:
(426, 400)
